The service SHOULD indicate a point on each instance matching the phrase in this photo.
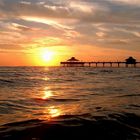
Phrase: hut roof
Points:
(130, 59)
(72, 59)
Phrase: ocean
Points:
(80, 102)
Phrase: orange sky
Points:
(43, 33)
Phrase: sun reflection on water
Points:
(47, 94)
(51, 112)
(46, 78)
(54, 112)
(51, 109)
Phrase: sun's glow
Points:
(44, 56)
(47, 55)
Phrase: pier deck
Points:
(111, 64)
(99, 64)
(76, 63)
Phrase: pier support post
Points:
(118, 64)
(89, 64)
(96, 65)
(103, 64)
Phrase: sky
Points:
(45, 32)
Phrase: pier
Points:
(73, 62)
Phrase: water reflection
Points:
(54, 107)
(47, 94)
(51, 112)
(54, 112)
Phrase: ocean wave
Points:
(135, 105)
(112, 127)
(129, 95)
(91, 73)
(5, 81)
(22, 82)
(136, 76)
(58, 100)
(9, 107)
(97, 91)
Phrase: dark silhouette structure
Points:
(73, 62)
(131, 61)
(73, 59)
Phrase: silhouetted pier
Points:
(73, 62)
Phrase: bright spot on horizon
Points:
(47, 55)
(44, 56)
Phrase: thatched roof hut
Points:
(130, 60)
(72, 59)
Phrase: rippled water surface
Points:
(43, 102)
(43, 93)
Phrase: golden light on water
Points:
(47, 94)
(54, 112)
(51, 112)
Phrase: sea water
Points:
(88, 93)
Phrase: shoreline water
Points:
(115, 126)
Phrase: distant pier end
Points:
(73, 62)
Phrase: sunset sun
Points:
(47, 56)
(43, 57)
